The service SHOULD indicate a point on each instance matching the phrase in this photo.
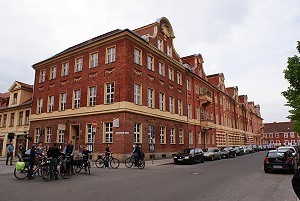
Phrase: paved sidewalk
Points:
(9, 169)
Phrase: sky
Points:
(248, 41)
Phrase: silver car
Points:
(212, 154)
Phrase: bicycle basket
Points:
(20, 166)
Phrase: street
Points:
(235, 179)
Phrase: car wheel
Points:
(192, 161)
(234, 155)
(266, 170)
(212, 158)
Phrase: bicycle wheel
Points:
(128, 162)
(141, 164)
(21, 174)
(65, 172)
(99, 163)
(47, 173)
(114, 163)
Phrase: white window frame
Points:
(151, 139)
(92, 95)
(42, 76)
(94, 60)
(171, 104)
(53, 73)
(137, 56)
(61, 136)
(37, 135)
(137, 94)
(76, 99)
(179, 78)
(189, 111)
(39, 106)
(171, 73)
(108, 132)
(109, 92)
(162, 135)
(172, 136)
(180, 108)
(286, 135)
(162, 101)
(65, 69)
(21, 115)
(50, 103)
(150, 98)
(63, 101)
(191, 138)
(160, 44)
(111, 54)
(169, 50)
(48, 135)
(180, 136)
(89, 134)
(150, 62)
(78, 64)
(137, 133)
(161, 68)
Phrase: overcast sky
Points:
(248, 41)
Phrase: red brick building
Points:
(136, 89)
(280, 133)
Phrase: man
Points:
(85, 157)
(32, 161)
(54, 153)
(69, 151)
(136, 154)
(10, 152)
(40, 149)
(107, 153)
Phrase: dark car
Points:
(228, 152)
(189, 156)
(280, 160)
(239, 151)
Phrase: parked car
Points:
(228, 152)
(256, 148)
(239, 151)
(250, 149)
(189, 156)
(212, 154)
(280, 160)
(292, 149)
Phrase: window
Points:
(162, 135)
(197, 113)
(94, 60)
(50, 103)
(188, 85)
(189, 111)
(37, 135)
(20, 118)
(90, 136)
(191, 140)
(65, 69)
(292, 135)
(48, 135)
(92, 96)
(78, 64)
(286, 135)
(61, 136)
(150, 98)
(150, 63)
(172, 136)
(199, 137)
(110, 91)
(169, 50)
(63, 101)
(137, 94)
(171, 74)
(137, 133)
(42, 76)
(27, 114)
(271, 135)
(111, 54)
(40, 106)
(76, 98)
(162, 101)
(12, 119)
(137, 56)
(179, 78)
(277, 135)
(196, 88)
(161, 69)
(180, 136)
(4, 120)
(151, 134)
(53, 73)
(108, 132)
(171, 104)
(15, 98)
(160, 45)
(180, 111)
(278, 142)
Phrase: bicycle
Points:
(65, 168)
(129, 162)
(25, 172)
(113, 162)
(81, 164)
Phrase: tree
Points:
(292, 94)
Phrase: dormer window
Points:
(169, 51)
(15, 98)
(160, 45)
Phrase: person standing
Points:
(10, 152)
(107, 154)
(54, 153)
(69, 151)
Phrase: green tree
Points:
(292, 94)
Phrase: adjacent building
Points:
(280, 134)
(126, 87)
(15, 108)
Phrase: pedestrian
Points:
(54, 154)
(85, 157)
(41, 149)
(69, 151)
(10, 152)
(21, 152)
(296, 183)
(107, 154)
(32, 161)
(136, 153)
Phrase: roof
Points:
(25, 85)
(278, 127)
(5, 95)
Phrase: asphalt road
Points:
(238, 179)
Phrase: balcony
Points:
(207, 124)
(205, 99)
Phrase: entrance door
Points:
(74, 135)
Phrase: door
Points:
(74, 135)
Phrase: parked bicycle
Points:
(65, 168)
(113, 162)
(81, 164)
(129, 162)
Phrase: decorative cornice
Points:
(76, 79)
(162, 83)
(92, 75)
(139, 73)
(62, 83)
(109, 71)
(41, 88)
(152, 79)
(171, 87)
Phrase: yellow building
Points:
(15, 108)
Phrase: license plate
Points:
(277, 166)
(180, 159)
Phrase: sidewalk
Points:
(9, 169)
